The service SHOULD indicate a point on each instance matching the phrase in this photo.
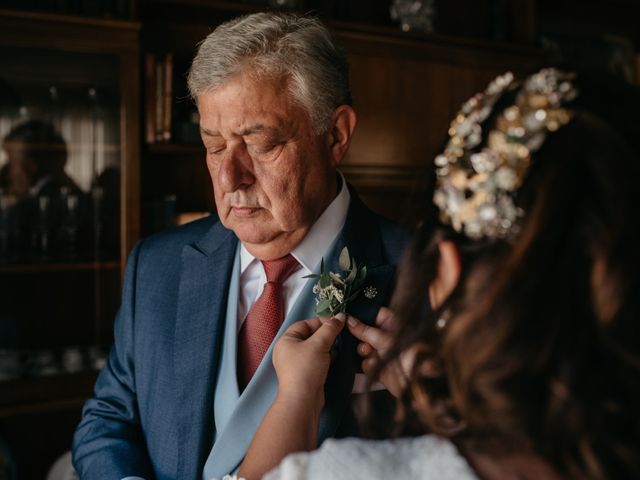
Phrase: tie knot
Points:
(279, 270)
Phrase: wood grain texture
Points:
(406, 90)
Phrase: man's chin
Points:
(265, 244)
(249, 234)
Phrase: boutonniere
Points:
(334, 291)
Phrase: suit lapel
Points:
(362, 236)
(202, 299)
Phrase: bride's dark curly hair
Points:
(541, 350)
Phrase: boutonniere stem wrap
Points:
(334, 291)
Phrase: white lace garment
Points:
(427, 458)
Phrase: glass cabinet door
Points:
(59, 209)
(69, 117)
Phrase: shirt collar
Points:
(326, 228)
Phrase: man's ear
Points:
(449, 269)
(341, 132)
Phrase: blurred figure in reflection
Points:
(37, 155)
(50, 211)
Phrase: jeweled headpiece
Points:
(475, 189)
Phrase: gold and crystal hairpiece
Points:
(475, 189)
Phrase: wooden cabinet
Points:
(69, 214)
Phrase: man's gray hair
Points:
(297, 47)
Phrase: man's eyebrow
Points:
(250, 130)
(258, 128)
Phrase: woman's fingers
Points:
(302, 356)
(368, 364)
(329, 329)
(364, 349)
(321, 329)
(375, 341)
(375, 337)
(303, 329)
(386, 319)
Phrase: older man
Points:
(190, 375)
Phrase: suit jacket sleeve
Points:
(109, 442)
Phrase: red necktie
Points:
(264, 318)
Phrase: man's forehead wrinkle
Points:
(245, 131)
(208, 132)
(259, 128)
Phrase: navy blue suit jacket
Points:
(152, 412)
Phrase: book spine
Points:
(167, 98)
(159, 100)
(150, 97)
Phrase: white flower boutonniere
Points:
(334, 291)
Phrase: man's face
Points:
(272, 175)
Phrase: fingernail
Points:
(341, 317)
(352, 321)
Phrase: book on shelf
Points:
(167, 97)
(159, 101)
(159, 97)
(150, 97)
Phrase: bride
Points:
(527, 366)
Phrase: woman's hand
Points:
(376, 341)
(302, 357)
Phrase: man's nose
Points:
(235, 170)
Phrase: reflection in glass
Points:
(60, 117)
(59, 158)
(51, 210)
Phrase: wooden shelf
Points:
(215, 5)
(384, 177)
(56, 147)
(60, 267)
(399, 38)
(41, 394)
(175, 149)
(71, 19)
(74, 403)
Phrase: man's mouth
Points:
(244, 211)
